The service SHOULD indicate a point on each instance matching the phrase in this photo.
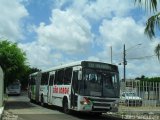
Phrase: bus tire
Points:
(65, 106)
(97, 114)
(31, 100)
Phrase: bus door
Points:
(38, 82)
(74, 89)
(50, 86)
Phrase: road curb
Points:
(1, 112)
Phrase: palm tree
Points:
(153, 22)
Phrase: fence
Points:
(140, 97)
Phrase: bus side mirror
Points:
(80, 75)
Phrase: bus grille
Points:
(101, 105)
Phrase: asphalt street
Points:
(19, 108)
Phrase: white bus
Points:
(14, 88)
(84, 86)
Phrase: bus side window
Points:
(67, 76)
(44, 80)
(59, 77)
(32, 81)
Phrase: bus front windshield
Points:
(99, 83)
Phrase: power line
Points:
(143, 57)
(138, 58)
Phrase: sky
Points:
(55, 32)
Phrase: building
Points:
(1, 92)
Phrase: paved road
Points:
(19, 108)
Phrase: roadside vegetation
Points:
(148, 79)
(152, 28)
(14, 63)
(152, 79)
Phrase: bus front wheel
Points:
(97, 114)
(65, 107)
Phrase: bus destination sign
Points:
(99, 65)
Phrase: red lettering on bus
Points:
(63, 90)
(60, 90)
(55, 89)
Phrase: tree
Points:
(12, 61)
(153, 22)
(25, 76)
(141, 78)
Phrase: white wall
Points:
(1, 87)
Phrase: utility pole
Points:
(124, 58)
(124, 62)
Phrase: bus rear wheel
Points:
(97, 114)
(65, 107)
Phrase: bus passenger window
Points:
(44, 79)
(59, 77)
(67, 76)
(55, 81)
(32, 82)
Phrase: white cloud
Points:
(41, 56)
(118, 31)
(93, 58)
(12, 13)
(71, 34)
(148, 67)
(59, 3)
(57, 55)
(99, 9)
(96, 9)
(67, 32)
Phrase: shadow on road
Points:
(87, 116)
(82, 116)
(18, 105)
(75, 116)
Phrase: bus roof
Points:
(35, 73)
(72, 64)
(77, 63)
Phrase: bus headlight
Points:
(85, 101)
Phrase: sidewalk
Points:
(140, 110)
(1, 111)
